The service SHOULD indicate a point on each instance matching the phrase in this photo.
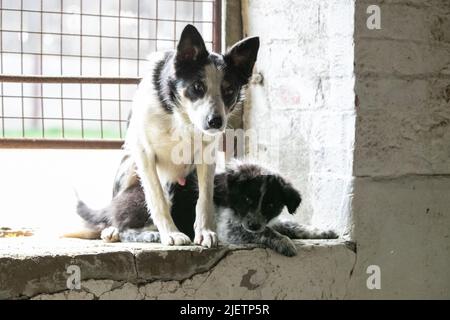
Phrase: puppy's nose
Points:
(253, 226)
(215, 121)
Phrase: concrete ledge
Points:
(32, 268)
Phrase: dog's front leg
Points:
(277, 242)
(295, 230)
(204, 226)
(157, 202)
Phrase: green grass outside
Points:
(56, 133)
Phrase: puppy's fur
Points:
(188, 92)
(248, 201)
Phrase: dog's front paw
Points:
(329, 234)
(174, 239)
(304, 232)
(206, 238)
(286, 247)
(110, 234)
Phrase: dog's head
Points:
(257, 196)
(208, 86)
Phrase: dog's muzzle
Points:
(214, 125)
(214, 121)
(253, 227)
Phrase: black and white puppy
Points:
(188, 92)
(248, 201)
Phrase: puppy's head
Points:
(258, 196)
(208, 86)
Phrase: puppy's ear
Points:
(191, 46)
(243, 55)
(291, 197)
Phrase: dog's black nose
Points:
(215, 121)
(254, 226)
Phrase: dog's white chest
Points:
(177, 158)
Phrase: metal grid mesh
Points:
(90, 55)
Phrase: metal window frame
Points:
(65, 143)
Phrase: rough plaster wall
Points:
(303, 112)
(401, 208)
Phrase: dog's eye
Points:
(229, 91)
(199, 87)
(248, 200)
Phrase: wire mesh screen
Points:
(97, 49)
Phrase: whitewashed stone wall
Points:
(304, 111)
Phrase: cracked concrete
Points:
(33, 269)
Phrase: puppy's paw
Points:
(206, 238)
(286, 247)
(329, 234)
(110, 234)
(151, 236)
(132, 235)
(304, 232)
(174, 239)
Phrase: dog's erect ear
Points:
(191, 46)
(291, 197)
(243, 55)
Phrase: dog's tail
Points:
(95, 219)
(94, 222)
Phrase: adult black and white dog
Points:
(189, 92)
(248, 201)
